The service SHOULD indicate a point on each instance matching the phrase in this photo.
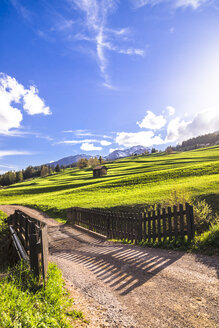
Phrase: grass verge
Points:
(26, 304)
(3, 242)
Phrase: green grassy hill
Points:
(131, 181)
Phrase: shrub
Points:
(208, 241)
(203, 213)
(178, 196)
(203, 216)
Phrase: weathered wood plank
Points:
(181, 220)
(164, 217)
(175, 215)
(44, 250)
(169, 223)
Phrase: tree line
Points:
(11, 177)
(210, 139)
(91, 162)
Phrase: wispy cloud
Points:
(85, 141)
(4, 153)
(176, 3)
(95, 19)
(76, 142)
(21, 9)
(86, 133)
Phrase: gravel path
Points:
(118, 285)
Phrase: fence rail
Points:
(159, 225)
(29, 237)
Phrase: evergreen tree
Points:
(57, 168)
(19, 176)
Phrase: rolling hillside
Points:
(131, 181)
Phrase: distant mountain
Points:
(68, 160)
(136, 150)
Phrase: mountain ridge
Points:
(118, 153)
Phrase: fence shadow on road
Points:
(122, 267)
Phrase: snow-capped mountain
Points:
(136, 150)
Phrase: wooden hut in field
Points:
(99, 171)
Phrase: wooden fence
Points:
(29, 237)
(156, 225)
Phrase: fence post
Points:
(181, 220)
(192, 221)
(169, 222)
(44, 250)
(34, 261)
(188, 221)
(175, 215)
(139, 226)
(108, 225)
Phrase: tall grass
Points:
(25, 304)
(4, 234)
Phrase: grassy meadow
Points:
(132, 181)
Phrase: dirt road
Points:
(118, 285)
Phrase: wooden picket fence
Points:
(163, 224)
(29, 239)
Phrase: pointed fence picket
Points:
(149, 225)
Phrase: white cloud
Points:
(33, 104)
(175, 3)
(151, 121)
(89, 146)
(4, 153)
(144, 138)
(170, 110)
(13, 92)
(202, 123)
(105, 143)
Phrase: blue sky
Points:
(90, 76)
